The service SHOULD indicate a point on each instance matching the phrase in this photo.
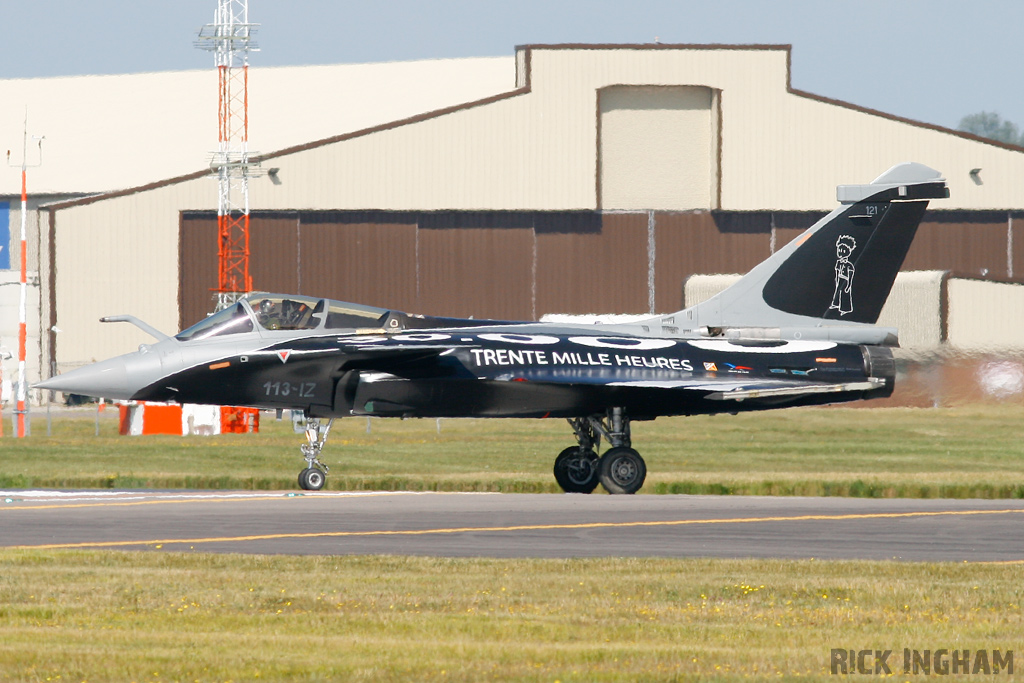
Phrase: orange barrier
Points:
(136, 419)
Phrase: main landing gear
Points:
(578, 469)
(314, 476)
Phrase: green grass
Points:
(110, 616)
(969, 451)
(155, 616)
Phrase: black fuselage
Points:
(476, 373)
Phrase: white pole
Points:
(22, 334)
(23, 299)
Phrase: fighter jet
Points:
(796, 330)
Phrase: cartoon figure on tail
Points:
(842, 298)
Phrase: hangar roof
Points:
(106, 133)
(567, 136)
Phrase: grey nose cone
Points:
(106, 379)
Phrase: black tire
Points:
(312, 479)
(576, 470)
(622, 470)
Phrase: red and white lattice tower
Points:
(229, 38)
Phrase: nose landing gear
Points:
(314, 476)
(619, 470)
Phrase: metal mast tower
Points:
(229, 38)
(20, 426)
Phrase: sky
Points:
(928, 60)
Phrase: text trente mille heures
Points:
(941, 662)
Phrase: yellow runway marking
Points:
(521, 527)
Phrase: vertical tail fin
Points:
(840, 270)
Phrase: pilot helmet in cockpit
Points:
(269, 315)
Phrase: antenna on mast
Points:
(229, 37)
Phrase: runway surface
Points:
(513, 525)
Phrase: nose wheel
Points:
(620, 470)
(314, 476)
(312, 479)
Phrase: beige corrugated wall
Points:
(110, 132)
(811, 146)
(119, 256)
(538, 149)
(985, 316)
(698, 288)
(915, 308)
(656, 147)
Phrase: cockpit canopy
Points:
(275, 312)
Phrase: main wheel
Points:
(312, 479)
(622, 470)
(576, 470)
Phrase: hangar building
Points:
(595, 178)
